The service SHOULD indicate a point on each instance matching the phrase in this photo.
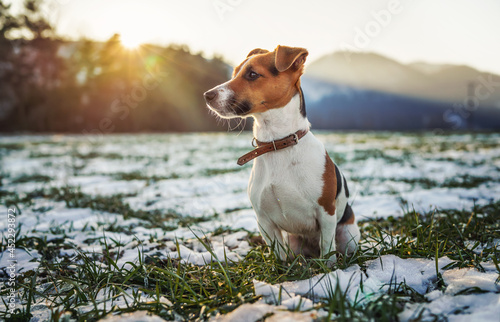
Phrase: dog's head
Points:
(264, 80)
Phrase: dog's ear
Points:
(289, 57)
(257, 51)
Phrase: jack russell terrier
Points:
(297, 192)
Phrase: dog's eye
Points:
(252, 75)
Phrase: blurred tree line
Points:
(48, 84)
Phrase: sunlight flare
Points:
(132, 40)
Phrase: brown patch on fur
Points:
(306, 246)
(327, 199)
(269, 90)
(351, 220)
(347, 216)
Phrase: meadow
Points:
(159, 226)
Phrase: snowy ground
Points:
(195, 180)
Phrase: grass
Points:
(462, 181)
(12, 146)
(31, 178)
(86, 286)
(200, 292)
(136, 175)
(214, 172)
(440, 233)
(74, 198)
(466, 181)
(94, 154)
(13, 199)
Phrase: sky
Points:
(434, 31)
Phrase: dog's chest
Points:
(285, 185)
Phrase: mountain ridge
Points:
(373, 71)
(343, 107)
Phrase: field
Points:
(121, 225)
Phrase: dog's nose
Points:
(210, 95)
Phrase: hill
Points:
(448, 83)
(345, 107)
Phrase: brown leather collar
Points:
(265, 147)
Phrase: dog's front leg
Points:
(273, 237)
(328, 225)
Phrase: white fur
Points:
(277, 123)
(285, 185)
(219, 104)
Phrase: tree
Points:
(34, 20)
(48, 84)
(7, 96)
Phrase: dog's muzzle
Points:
(218, 100)
(210, 95)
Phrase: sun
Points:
(132, 40)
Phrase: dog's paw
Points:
(331, 261)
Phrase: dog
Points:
(299, 195)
